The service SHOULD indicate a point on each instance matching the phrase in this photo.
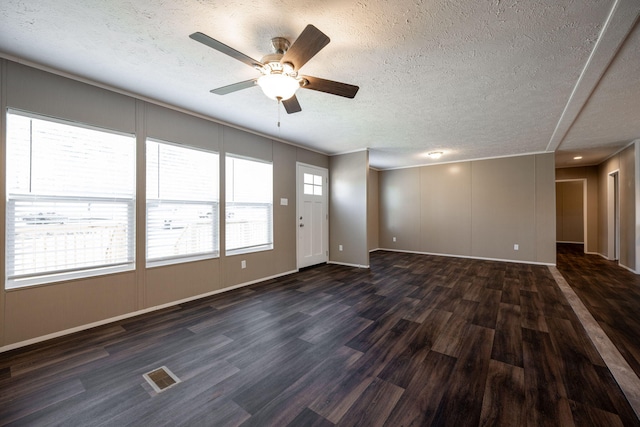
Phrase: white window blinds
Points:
(182, 202)
(249, 205)
(70, 198)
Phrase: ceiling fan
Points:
(280, 79)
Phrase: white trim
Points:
(628, 268)
(346, 264)
(136, 313)
(181, 260)
(573, 243)
(373, 250)
(613, 215)
(58, 277)
(516, 261)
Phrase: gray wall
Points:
(475, 209)
(625, 163)
(569, 211)
(33, 312)
(348, 175)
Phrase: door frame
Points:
(613, 215)
(325, 201)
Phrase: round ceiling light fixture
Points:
(278, 86)
(279, 81)
(435, 155)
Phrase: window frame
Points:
(179, 259)
(18, 281)
(255, 248)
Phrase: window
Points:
(249, 205)
(70, 200)
(182, 203)
(312, 184)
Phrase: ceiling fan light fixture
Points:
(278, 86)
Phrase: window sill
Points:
(249, 250)
(57, 278)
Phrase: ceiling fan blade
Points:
(234, 87)
(329, 86)
(307, 45)
(221, 47)
(292, 105)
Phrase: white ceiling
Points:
(472, 78)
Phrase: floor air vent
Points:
(161, 379)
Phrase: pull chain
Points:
(278, 107)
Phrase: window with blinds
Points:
(249, 205)
(70, 200)
(182, 203)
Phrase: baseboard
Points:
(346, 264)
(627, 268)
(373, 250)
(69, 331)
(515, 261)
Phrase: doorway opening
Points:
(571, 212)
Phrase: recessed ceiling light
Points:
(435, 154)
(577, 158)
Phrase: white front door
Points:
(312, 215)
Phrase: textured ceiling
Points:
(472, 78)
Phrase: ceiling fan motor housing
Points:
(280, 45)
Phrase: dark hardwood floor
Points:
(416, 340)
(610, 293)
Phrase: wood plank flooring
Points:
(610, 293)
(415, 340)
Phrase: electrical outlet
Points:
(340, 247)
(243, 263)
(394, 239)
(516, 247)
